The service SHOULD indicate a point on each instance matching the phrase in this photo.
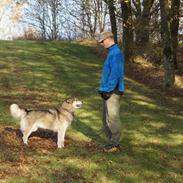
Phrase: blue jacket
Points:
(113, 71)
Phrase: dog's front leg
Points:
(60, 139)
(26, 134)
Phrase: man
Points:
(111, 88)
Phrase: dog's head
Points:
(71, 104)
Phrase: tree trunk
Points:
(142, 22)
(127, 40)
(112, 15)
(169, 77)
(174, 29)
(54, 7)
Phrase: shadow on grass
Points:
(150, 109)
(155, 161)
(89, 132)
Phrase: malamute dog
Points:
(57, 120)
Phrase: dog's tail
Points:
(16, 111)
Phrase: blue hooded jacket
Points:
(113, 71)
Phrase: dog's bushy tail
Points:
(16, 111)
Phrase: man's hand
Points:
(105, 95)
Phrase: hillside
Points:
(41, 75)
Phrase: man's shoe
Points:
(111, 148)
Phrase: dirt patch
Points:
(41, 140)
(16, 158)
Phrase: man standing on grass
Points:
(111, 88)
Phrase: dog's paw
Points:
(60, 146)
(25, 141)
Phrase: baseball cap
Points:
(104, 35)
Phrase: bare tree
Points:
(4, 6)
(13, 7)
(102, 11)
(167, 46)
(88, 17)
(127, 28)
(112, 14)
(44, 15)
(142, 12)
(11, 13)
(174, 26)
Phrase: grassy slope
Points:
(41, 75)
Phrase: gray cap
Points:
(104, 35)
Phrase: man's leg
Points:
(105, 120)
(113, 118)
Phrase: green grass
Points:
(42, 75)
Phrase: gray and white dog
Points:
(57, 120)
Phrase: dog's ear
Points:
(69, 100)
